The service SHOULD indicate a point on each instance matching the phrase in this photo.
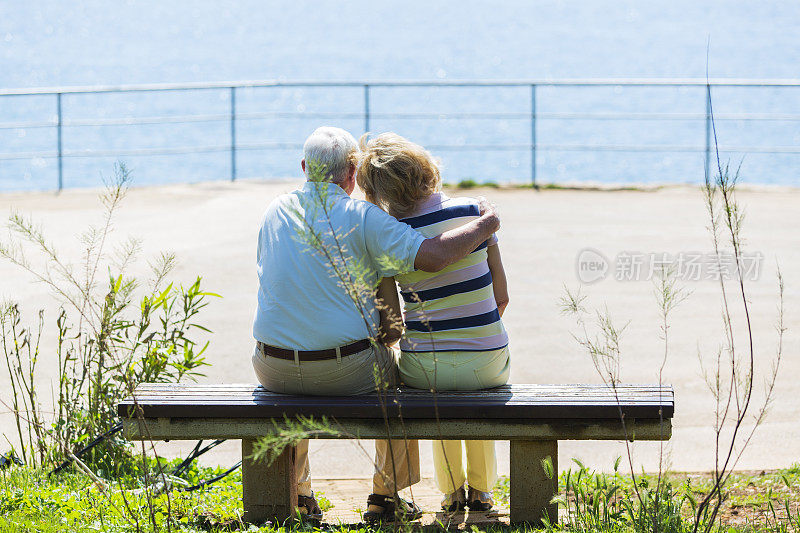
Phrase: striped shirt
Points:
(454, 309)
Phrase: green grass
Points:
(557, 187)
(470, 183)
(32, 501)
(755, 501)
(71, 502)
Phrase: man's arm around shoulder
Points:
(443, 250)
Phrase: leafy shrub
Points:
(111, 336)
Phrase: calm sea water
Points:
(54, 43)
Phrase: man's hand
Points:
(489, 211)
(441, 251)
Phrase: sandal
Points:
(308, 508)
(454, 502)
(479, 501)
(392, 509)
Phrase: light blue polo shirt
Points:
(302, 302)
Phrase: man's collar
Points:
(333, 188)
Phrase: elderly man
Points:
(321, 258)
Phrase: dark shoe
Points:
(455, 502)
(479, 501)
(308, 508)
(390, 509)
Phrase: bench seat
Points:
(533, 417)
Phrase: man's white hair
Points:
(327, 153)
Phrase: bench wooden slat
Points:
(598, 390)
(509, 402)
(520, 387)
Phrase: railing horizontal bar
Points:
(670, 116)
(10, 156)
(152, 151)
(577, 82)
(177, 119)
(612, 148)
(146, 151)
(27, 125)
(270, 146)
(125, 121)
(593, 116)
(181, 119)
(443, 148)
(299, 114)
(668, 148)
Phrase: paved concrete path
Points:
(212, 228)
(349, 499)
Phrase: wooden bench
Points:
(533, 417)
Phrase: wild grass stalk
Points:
(733, 379)
(730, 381)
(113, 331)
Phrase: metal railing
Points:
(533, 115)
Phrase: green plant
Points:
(72, 502)
(782, 518)
(608, 502)
(32, 501)
(289, 433)
(112, 332)
(470, 183)
(731, 377)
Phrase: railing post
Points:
(233, 133)
(60, 151)
(366, 108)
(708, 131)
(533, 136)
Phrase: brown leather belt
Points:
(314, 355)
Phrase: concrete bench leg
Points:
(531, 490)
(268, 492)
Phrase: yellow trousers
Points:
(481, 471)
(459, 371)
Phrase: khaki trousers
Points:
(459, 371)
(396, 461)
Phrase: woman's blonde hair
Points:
(395, 173)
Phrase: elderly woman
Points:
(454, 338)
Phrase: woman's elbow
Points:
(502, 303)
